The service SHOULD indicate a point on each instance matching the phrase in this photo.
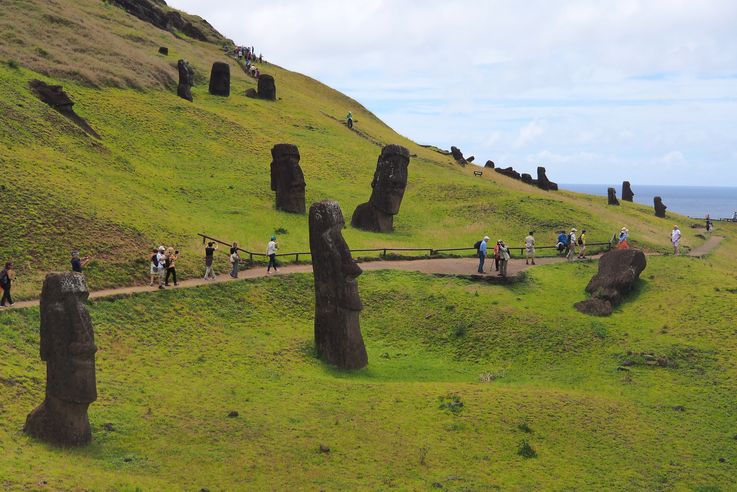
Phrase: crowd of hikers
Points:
(247, 54)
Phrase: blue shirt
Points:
(482, 248)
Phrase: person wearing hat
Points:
(161, 262)
(624, 235)
(530, 248)
(271, 249)
(571, 244)
(482, 253)
(582, 243)
(675, 238)
(503, 258)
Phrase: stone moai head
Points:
(186, 80)
(67, 340)
(659, 207)
(266, 87)
(390, 179)
(627, 194)
(337, 303)
(287, 179)
(612, 196)
(220, 79)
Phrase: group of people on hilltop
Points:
(249, 55)
(163, 266)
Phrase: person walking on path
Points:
(503, 258)
(482, 253)
(675, 238)
(79, 263)
(582, 244)
(7, 277)
(530, 248)
(562, 243)
(235, 261)
(623, 239)
(161, 262)
(154, 267)
(496, 256)
(209, 257)
(571, 244)
(349, 119)
(171, 266)
(271, 249)
(233, 248)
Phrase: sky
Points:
(596, 91)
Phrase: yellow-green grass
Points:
(525, 364)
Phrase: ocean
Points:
(694, 201)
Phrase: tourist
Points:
(349, 119)
(482, 252)
(675, 238)
(154, 270)
(623, 239)
(271, 249)
(260, 58)
(496, 256)
(209, 257)
(233, 248)
(79, 263)
(709, 225)
(571, 244)
(582, 244)
(7, 276)
(503, 258)
(562, 242)
(530, 248)
(235, 261)
(171, 266)
(161, 262)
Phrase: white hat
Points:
(161, 248)
(486, 238)
(574, 229)
(675, 227)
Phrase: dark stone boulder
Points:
(338, 338)
(251, 92)
(186, 80)
(55, 97)
(220, 79)
(387, 191)
(470, 159)
(659, 207)
(509, 172)
(68, 348)
(489, 164)
(619, 272)
(627, 194)
(458, 156)
(287, 179)
(543, 182)
(266, 87)
(526, 178)
(611, 194)
(163, 50)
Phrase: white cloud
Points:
(529, 133)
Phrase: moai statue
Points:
(287, 179)
(337, 304)
(543, 182)
(627, 194)
(612, 196)
(186, 80)
(659, 207)
(68, 348)
(220, 79)
(266, 87)
(390, 180)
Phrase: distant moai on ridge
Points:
(612, 196)
(627, 194)
(659, 207)
(68, 348)
(220, 79)
(266, 87)
(388, 185)
(338, 338)
(186, 80)
(287, 179)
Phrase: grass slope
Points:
(526, 366)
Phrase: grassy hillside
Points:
(166, 169)
(526, 366)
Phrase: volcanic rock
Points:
(619, 271)
(489, 164)
(458, 156)
(55, 97)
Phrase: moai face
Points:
(287, 178)
(67, 340)
(390, 179)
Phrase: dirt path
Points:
(707, 247)
(457, 267)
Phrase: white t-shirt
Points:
(675, 236)
(529, 242)
(271, 248)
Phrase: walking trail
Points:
(455, 267)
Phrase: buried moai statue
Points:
(627, 194)
(186, 80)
(389, 183)
(659, 207)
(68, 348)
(543, 182)
(338, 337)
(287, 179)
(220, 79)
(611, 194)
(266, 87)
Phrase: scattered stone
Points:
(722, 460)
(220, 79)
(526, 178)
(233, 414)
(627, 194)
(489, 164)
(109, 427)
(287, 179)
(612, 196)
(470, 159)
(68, 348)
(388, 185)
(509, 172)
(266, 87)
(186, 80)
(619, 271)
(679, 408)
(127, 459)
(324, 448)
(56, 98)
(437, 485)
(659, 207)
(163, 50)
(337, 304)
(252, 93)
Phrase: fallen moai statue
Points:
(55, 97)
(619, 271)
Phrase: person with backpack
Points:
(530, 248)
(571, 244)
(271, 249)
(209, 258)
(171, 266)
(582, 245)
(154, 266)
(562, 242)
(482, 253)
(7, 276)
(497, 257)
(235, 261)
(623, 239)
(504, 257)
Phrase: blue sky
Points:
(596, 91)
